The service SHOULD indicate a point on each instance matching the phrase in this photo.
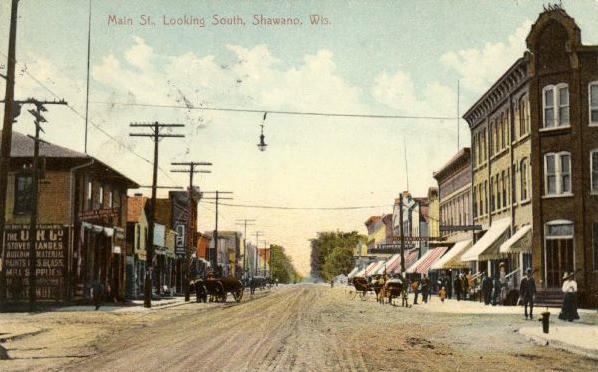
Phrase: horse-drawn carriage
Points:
(362, 287)
(392, 288)
(218, 289)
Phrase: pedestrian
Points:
(458, 288)
(442, 294)
(464, 286)
(503, 282)
(527, 292)
(449, 285)
(495, 290)
(486, 288)
(425, 288)
(415, 290)
(569, 308)
(97, 293)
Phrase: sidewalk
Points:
(580, 337)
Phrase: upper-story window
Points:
(89, 195)
(101, 197)
(524, 116)
(23, 193)
(110, 199)
(593, 102)
(557, 173)
(556, 105)
(484, 147)
(594, 170)
(523, 174)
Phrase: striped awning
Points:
(353, 272)
(452, 258)
(410, 258)
(422, 266)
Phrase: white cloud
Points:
(479, 68)
(399, 92)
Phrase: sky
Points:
(396, 58)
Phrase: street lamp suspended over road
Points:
(262, 145)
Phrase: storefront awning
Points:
(410, 258)
(520, 242)
(379, 268)
(452, 258)
(353, 272)
(108, 231)
(369, 268)
(487, 247)
(422, 265)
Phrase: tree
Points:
(332, 253)
(281, 265)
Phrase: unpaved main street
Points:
(297, 327)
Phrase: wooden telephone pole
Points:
(156, 127)
(214, 257)
(10, 112)
(192, 218)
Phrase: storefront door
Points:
(559, 258)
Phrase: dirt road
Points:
(309, 328)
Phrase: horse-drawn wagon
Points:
(218, 289)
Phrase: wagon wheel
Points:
(238, 294)
(350, 293)
(220, 292)
(363, 295)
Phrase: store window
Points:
(23, 194)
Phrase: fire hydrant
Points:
(544, 320)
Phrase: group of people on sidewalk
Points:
(527, 295)
(493, 290)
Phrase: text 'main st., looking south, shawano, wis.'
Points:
(216, 20)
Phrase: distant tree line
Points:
(332, 253)
(281, 265)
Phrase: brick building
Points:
(535, 159)
(83, 198)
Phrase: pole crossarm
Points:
(156, 127)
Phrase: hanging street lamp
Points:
(262, 145)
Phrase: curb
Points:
(544, 341)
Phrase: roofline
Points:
(513, 67)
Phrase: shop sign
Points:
(50, 244)
(99, 214)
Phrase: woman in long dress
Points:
(569, 309)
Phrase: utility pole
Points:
(37, 113)
(244, 223)
(10, 113)
(214, 257)
(156, 127)
(402, 235)
(257, 251)
(192, 218)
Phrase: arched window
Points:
(523, 111)
(523, 175)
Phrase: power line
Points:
(99, 128)
(298, 208)
(309, 113)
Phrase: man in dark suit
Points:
(527, 292)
